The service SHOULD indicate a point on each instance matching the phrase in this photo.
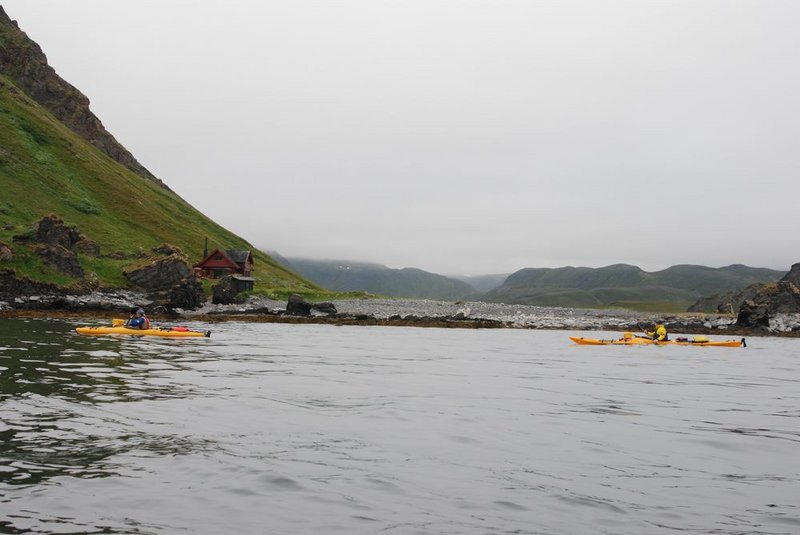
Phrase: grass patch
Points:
(108, 270)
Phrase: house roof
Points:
(235, 257)
(239, 256)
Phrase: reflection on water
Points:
(316, 429)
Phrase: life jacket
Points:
(661, 333)
(146, 324)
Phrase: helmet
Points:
(140, 311)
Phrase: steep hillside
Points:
(671, 290)
(377, 279)
(47, 167)
(22, 60)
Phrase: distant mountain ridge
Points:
(673, 289)
(345, 276)
(623, 285)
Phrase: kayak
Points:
(628, 340)
(174, 332)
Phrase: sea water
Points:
(301, 429)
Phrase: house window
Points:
(218, 257)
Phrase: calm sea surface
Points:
(283, 429)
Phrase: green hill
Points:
(344, 276)
(47, 166)
(620, 285)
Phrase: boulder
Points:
(169, 282)
(187, 295)
(298, 306)
(325, 308)
(753, 315)
(160, 274)
(60, 259)
(225, 292)
(51, 230)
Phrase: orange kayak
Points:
(176, 332)
(628, 340)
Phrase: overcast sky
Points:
(457, 136)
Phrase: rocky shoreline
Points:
(399, 312)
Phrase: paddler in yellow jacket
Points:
(659, 333)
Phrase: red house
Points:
(225, 262)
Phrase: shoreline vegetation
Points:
(402, 313)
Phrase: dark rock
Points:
(87, 247)
(13, 286)
(325, 308)
(753, 315)
(161, 274)
(771, 299)
(5, 253)
(793, 276)
(51, 230)
(298, 306)
(170, 283)
(60, 259)
(118, 255)
(225, 292)
(187, 295)
(167, 249)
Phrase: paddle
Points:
(644, 330)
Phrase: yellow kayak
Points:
(118, 328)
(629, 340)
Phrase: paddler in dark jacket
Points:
(659, 333)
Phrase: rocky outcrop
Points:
(727, 303)
(169, 282)
(23, 61)
(59, 259)
(225, 292)
(772, 300)
(298, 306)
(56, 244)
(159, 274)
(793, 276)
(52, 230)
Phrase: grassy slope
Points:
(46, 168)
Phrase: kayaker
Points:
(659, 333)
(141, 321)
